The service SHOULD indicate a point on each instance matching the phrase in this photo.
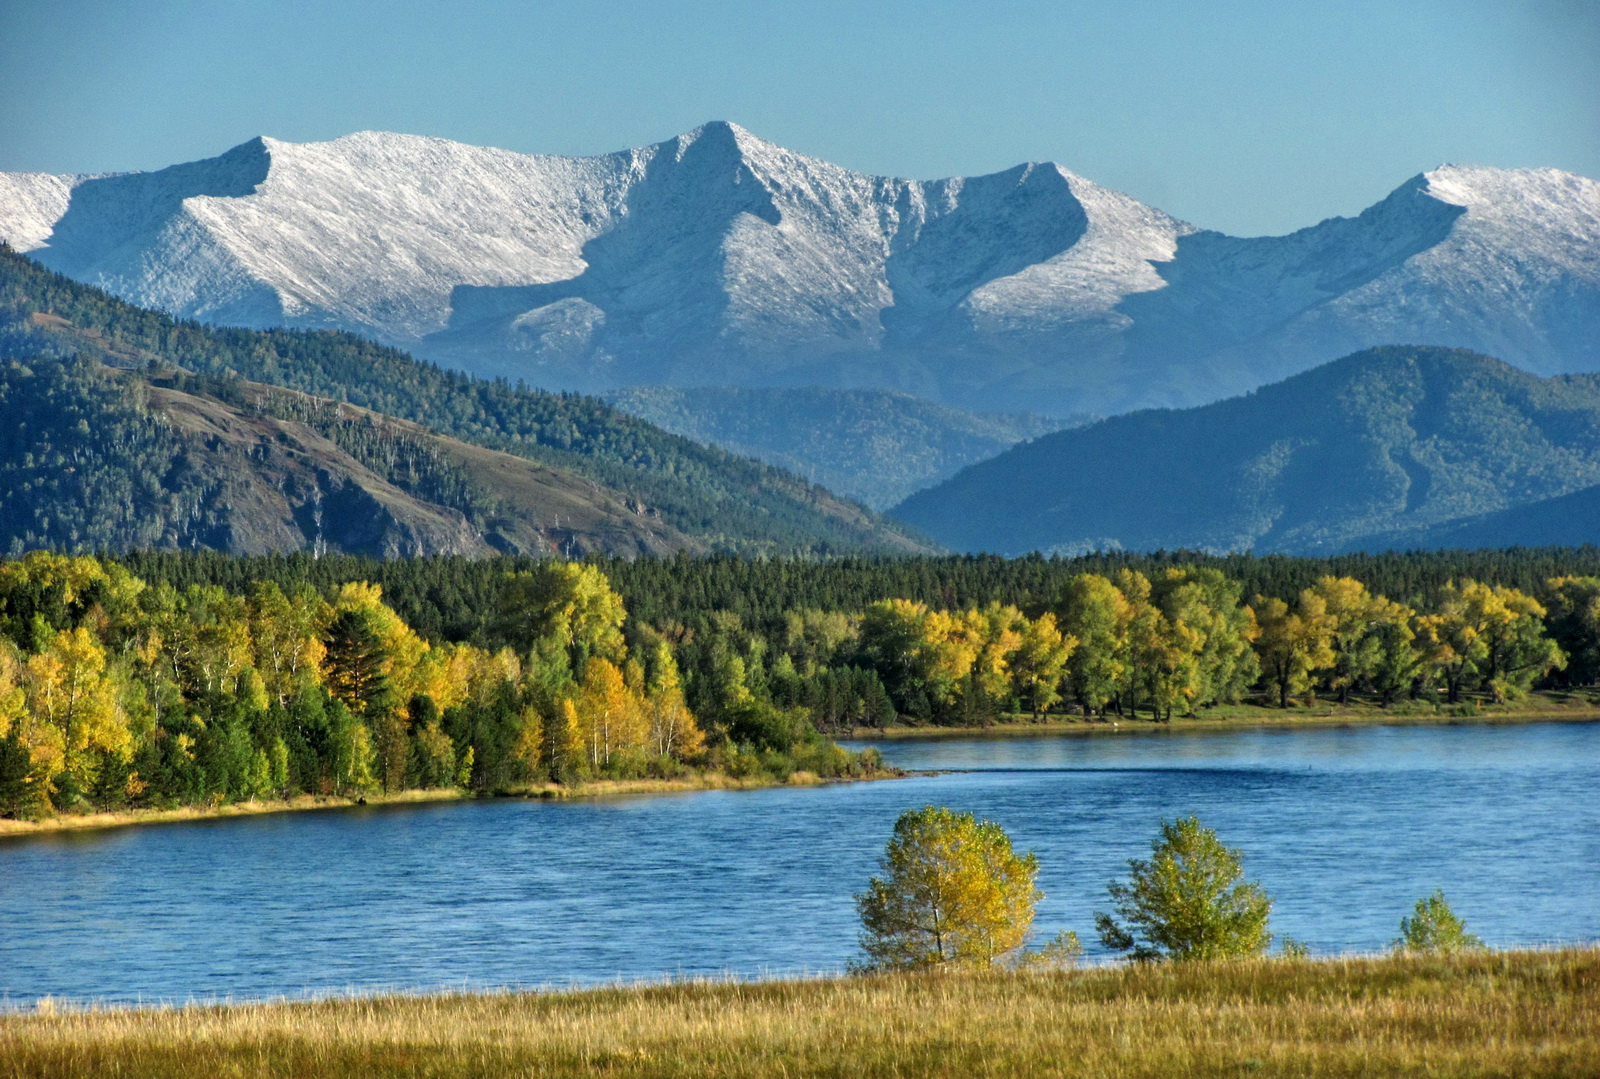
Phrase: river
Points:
(1345, 828)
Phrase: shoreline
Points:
(600, 788)
(1322, 717)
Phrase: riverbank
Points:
(601, 788)
(1528, 1014)
(1536, 708)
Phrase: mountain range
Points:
(719, 259)
(1396, 447)
(126, 428)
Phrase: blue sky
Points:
(1250, 117)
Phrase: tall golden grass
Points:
(598, 788)
(1523, 1014)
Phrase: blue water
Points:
(1345, 828)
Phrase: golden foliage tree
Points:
(952, 891)
(70, 690)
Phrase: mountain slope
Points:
(97, 458)
(714, 499)
(1570, 520)
(718, 258)
(870, 445)
(1385, 441)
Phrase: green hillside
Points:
(718, 499)
(1571, 520)
(98, 458)
(1372, 448)
(870, 445)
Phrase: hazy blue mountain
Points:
(1571, 520)
(1387, 442)
(870, 445)
(717, 258)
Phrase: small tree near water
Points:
(952, 891)
(1187, 901)
(1434, 929)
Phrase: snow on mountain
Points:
(719, 258)
(30, 205)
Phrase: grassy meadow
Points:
(1524, 1014)
(691, 780)
(1540, 706)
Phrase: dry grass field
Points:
(1522, 1014)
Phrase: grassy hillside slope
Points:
(720, 500)
(1525, 1014)
(1385, 442)
(95, 457)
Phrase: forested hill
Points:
(95, 457)
(1370, 450)
(1572, 520)
(719, 500)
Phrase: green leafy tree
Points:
(1574, 622)
(1096, 613)
(1187, 901)
(22, 781)
(1292, 643)
(1216, 629)
(1434, 929)
(952, 892)
(562, 607)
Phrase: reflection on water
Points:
(1346, 828)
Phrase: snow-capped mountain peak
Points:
(717, 257)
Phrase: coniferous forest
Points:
(164, 679)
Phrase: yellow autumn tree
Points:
(996, 635)
(566, 742)
(30, 750)
(68, 688)
(562, 613)
(1040, 663)
(1361, 628)
(1490, 634)
(286, 631)
(528, 748)
(673, 731)
(611, 715)
(952, 892)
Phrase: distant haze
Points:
(1248, 117)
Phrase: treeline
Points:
(119, 692)
(446, 597)
(170, 678)
(971, 638)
